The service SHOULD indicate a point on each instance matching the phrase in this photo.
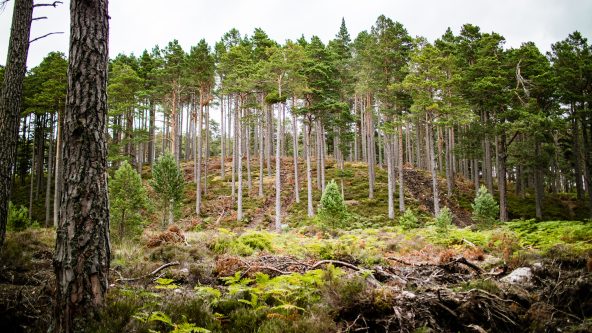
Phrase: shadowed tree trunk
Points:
(82, 254)
(11, 99)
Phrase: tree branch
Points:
(39, 18)
(54, 4)
(49, 34)
(174, 263)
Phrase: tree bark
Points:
(310, 209)
(222, 138)
(278, 184)
(295, 154)
(199, 125)
(432, 163)
(501, 177)
(400, 166)
(11, 101)
(538, 184)
(261, 156)
(82, 253)
(239, 153)
(49, 174)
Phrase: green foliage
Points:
(351, 248)
(168, 183)
(574, 236)
(161, 317)
(332, 208)
(244, 245)
(127, 199)
(485, 208)
(443, 220)
(18, 218)
(256, 240)
(408, 220)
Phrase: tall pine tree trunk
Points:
(278, 184)
(310, 209)
(49, 174)
(199, 126)
(82, 255)
(432, 163)
(295, 154)
(388, 154)
(239, 156)
(261, 156)
(222, 138)
(11, 95)
(401, 177)
(501, 177)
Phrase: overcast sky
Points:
(140, 24)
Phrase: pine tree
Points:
(168, 183)
(127, 198)
(332, 208)
(485, 208)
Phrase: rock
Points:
(408, 294)
(522, 275)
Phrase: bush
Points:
(127, 199)
(485, 208)
(443, 220)
(332, 208)
(408, 220)
(168, 183)
(18, 218)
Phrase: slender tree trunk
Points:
(82, 253)
(432, 163)
(234, 152)
(449, 163)
(239, 153)
(32, 172)
(401, 177)
(322, 154)
(278, 189)
(295, 154)
(476, 175)
(501, 177)
(370, 151)
(310, 209)
(207, 152)
(247, 133)
(388, 154)
(269, 138)
(261, 156)
(222, 138)
(11, 95)
(49, 174)
(538, 185)
(587, 160)
(199, 125)
(57, 188)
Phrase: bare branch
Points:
(3, 4)
(54, 4)
(49, 34)
(174, 263)
(39, 18)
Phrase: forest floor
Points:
(213, 273)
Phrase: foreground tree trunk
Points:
(11, 99)
(82, 254)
